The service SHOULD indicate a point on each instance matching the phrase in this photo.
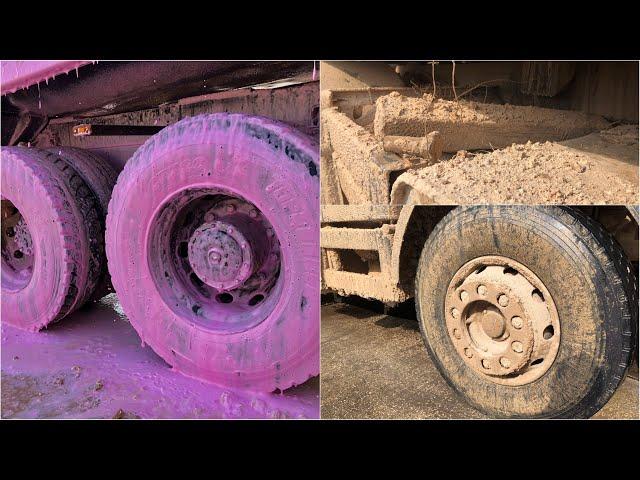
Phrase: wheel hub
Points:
(17, 247)
(493, 324)
(220, 255)
(497, 322)
(216, 259)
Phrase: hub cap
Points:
(220, 255)
(502, 320)
(17, 248)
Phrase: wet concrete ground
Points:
(376, 366)
(92, 365)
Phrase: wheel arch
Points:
(416, 222)
(414, 225)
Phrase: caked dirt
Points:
(599, 168)
(473, 125)
(492, 153)
(339, 75)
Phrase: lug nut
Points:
(253, 213)
(455, 312)
(517, 347)
(482, 290)
(486, 364)
(463, 296)
(457, 334)
(231, 208)
(517, 322)
(468, 353)
(505, 362)
(503, 300)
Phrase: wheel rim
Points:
(215, 259)
(502, 320)
(18, 254)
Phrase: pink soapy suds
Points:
(17, 74)
(92, 365)
(212, 333)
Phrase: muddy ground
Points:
(376, 366)
(92, 365)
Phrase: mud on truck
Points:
(191, 189)
(527, 311)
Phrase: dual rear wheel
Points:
(211, 240)
(53, 252)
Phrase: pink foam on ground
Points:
(92, 365)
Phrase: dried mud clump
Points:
(524, 173)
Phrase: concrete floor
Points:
(92, 365)
(376, 366)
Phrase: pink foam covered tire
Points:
(52, 239)
(213, 249)
(100, 177)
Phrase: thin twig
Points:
(453, 80)
(433, 77)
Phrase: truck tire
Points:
(527, 311)
(52, 239)
(100, 177)
(213, 249)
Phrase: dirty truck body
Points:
(372, 251)
(178, 186)
(527, 311)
